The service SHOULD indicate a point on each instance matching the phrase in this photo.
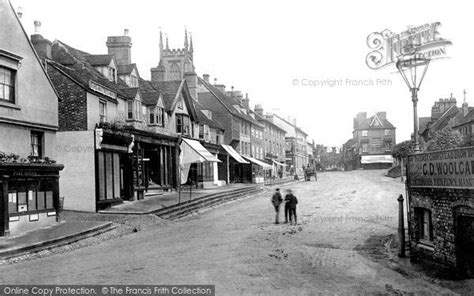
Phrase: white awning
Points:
(264, 165)
(235, 155)
(192, 151)
(376, 159)
(279, 163)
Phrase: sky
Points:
(273, 49)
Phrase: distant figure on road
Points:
(277, 200)
(290, 206)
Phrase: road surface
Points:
(238, 248)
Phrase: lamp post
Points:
(413, 71)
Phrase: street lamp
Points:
(413, 71)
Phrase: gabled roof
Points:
(99, 59)
(423, 124)
(131, 93)
(127, 69)
(74, 63)
(228, 102)
(169, 91)
(451, 112)
(366, 124)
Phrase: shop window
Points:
(365, 133)
(30, 196)
(36, 144)
(7, 85)
(425, 226)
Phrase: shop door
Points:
(465, 245)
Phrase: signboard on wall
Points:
(442, 169)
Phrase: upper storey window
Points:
(7, 84)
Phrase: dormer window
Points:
(133, 81)
(112, 74)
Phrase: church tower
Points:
(175, 64)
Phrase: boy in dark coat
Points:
(276, 201)
(290, 202)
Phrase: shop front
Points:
(258, 169)
(29, 196)
(237, 166)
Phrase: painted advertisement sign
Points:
(442, 169)
(419, 41)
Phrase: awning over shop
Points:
(376, 159)
(235, 155)
(192, 151)
(265, 166)
(279, 163)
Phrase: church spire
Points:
(464, 92)
(191, 48)
(161, 44)
(185, 39)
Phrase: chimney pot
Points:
(125, 32)
(19, 12)
(205, 77)
(37, 26)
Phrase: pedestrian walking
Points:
(276, 201)
(290, 203)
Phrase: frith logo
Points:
(420, 42)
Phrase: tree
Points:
(445, 138)
(403, 149)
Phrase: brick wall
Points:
(72, 107)
(444, 204)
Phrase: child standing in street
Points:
(276, 201)
(290, 203)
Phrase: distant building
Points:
(295, 144)
(274, 142)
(243, 135)
(444, 113)
(373, 141)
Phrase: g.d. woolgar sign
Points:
(442, 169)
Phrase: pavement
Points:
(66, 232)
(49, 237)
(158, 202)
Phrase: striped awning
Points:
(264, 165)
(235, 155)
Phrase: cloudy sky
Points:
(268, 49)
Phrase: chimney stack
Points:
(121, 47)
(205, 77)
(41, 45)
(246, 101)
(259, 109)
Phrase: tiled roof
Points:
(366, 124)
(126, 69)
(262, 118)
(130, 93)
(230, 103)
(202, 118)
(468, 118)
(168, 90)
(99, 59)
(74, 63)
(423, 123)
